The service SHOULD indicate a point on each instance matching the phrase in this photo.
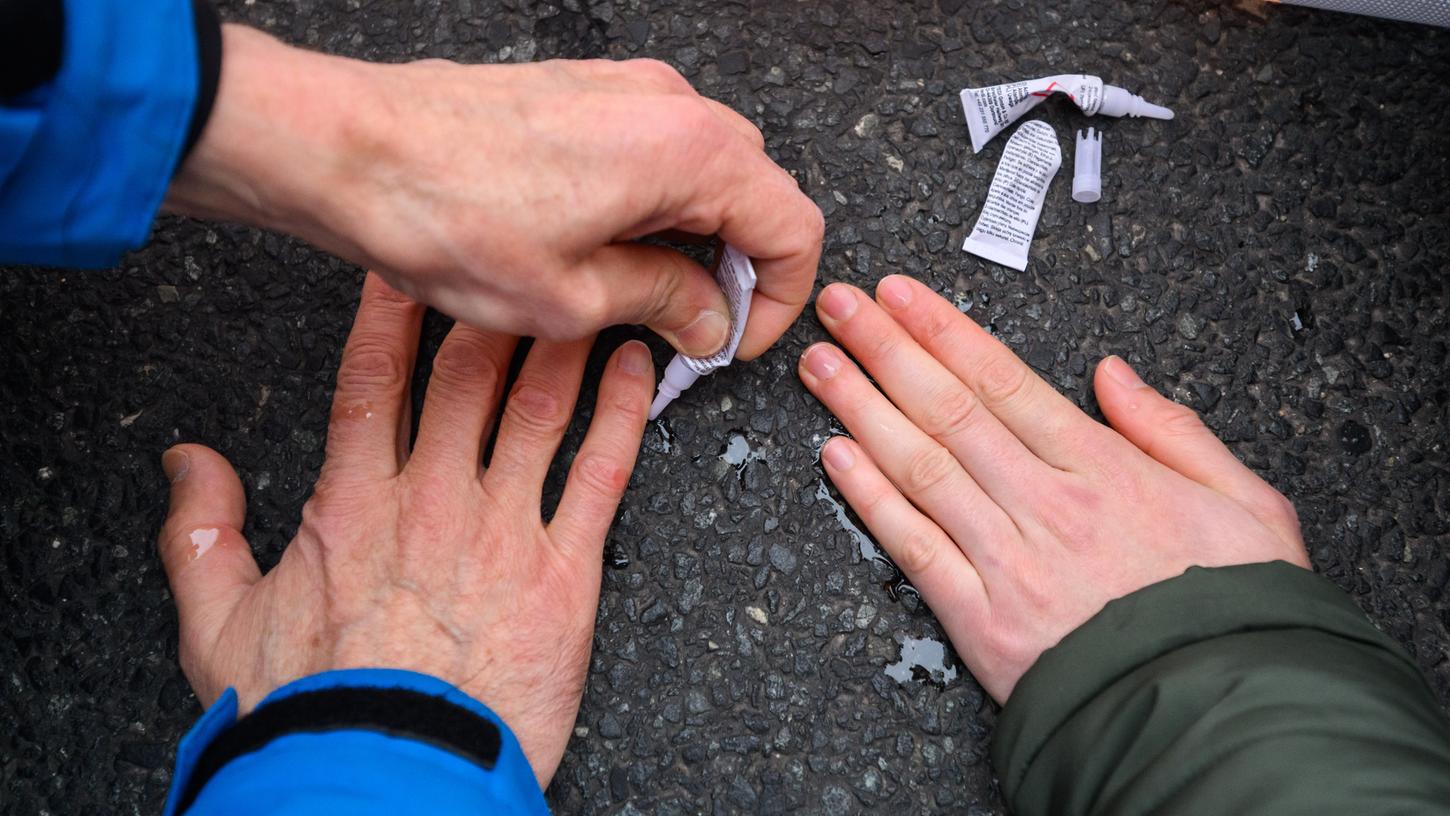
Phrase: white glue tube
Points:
(989, 110)
(736, 277)
(1004, 229)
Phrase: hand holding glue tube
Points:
(989, 110)
(736, 276)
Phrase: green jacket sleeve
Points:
(1257, 689)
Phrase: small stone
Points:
(757, 614)
(836, 801)
(735, 62)
(1355, 438)
(1189, 326)
(610, 727)
(783, 558)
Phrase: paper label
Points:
(736, 276)
(1003, 232)
(989, 110)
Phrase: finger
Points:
(464, 390)
(928, 394)
(1053, 428)
(208, 562)
(370, 403)
(781, 230)
(601, 468)
(918, 465)
(947, 581)
(535, 417)
(662, 289)
(1174, 435)
(737, 123)
(735, 191)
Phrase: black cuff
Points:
(32, 40)
(393, 711)
(209, 68)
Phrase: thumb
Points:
(1174, 435)
(208, 562)
(665, 291)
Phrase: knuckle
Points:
(1277, 507)
(806, 239)
(753, 133)
(950, 413)
(1003, 379)
(629, 407)
(928, 469)
(917, 551)
(537, 409)
(372, 364)
(601, 474)
(696, 128)
(465, 359)
(815, 226)
(659, 72)
(885, 347)
(583, 308)
(934, 326)
(664, 291)
(173, 542)
(1180, 420)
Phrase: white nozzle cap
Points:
(678, 376)
(1118, 102)
(1087, 167)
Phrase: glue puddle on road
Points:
(923, 659)
(664, 442)
(868, 548)
(738, 453)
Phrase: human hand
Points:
(1014, 514)
(420, 559)
(509, 196)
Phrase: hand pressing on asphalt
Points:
(420, 557)
(509, 196)
(1014, 514)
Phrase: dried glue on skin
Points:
(736, 277)
(990, 110)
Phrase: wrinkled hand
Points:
(1016, 515)
(508, 196)
(420, 559)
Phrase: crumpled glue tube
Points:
(1004, 229)
(736, 276)
(989, 110)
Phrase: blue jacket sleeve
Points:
(453, 756)
(86, 158)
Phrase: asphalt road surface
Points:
(1275, 257)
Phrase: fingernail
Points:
(837, 454)
(705, 335)
(895, 292)
(1123, 374)
(634, 358)
(837, 302)
(823, 362)
(176, 464)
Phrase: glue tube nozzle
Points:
(678, 376)
(1119, 102)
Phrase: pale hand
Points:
(1016, 515)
